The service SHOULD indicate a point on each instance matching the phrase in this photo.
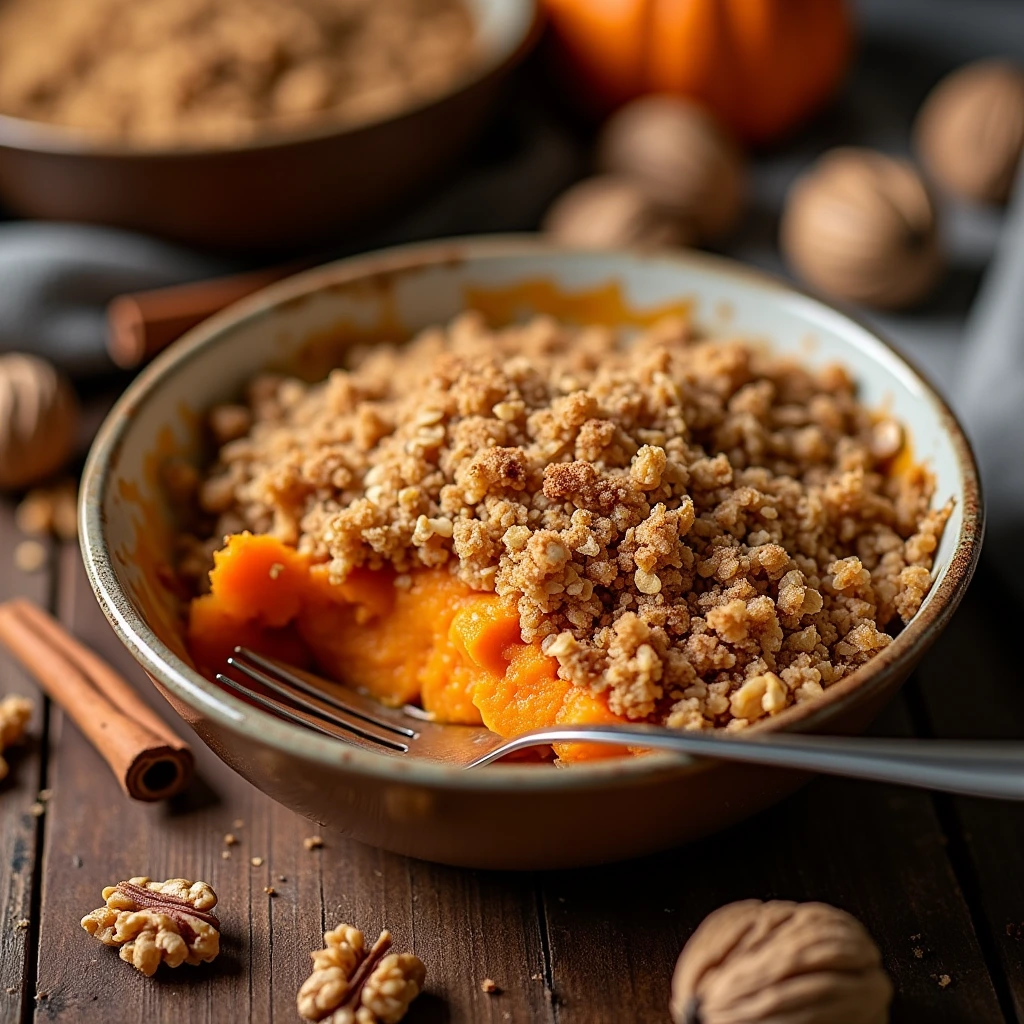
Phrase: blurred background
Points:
(866, 149)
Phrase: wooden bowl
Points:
(274, 191)
(525, 816)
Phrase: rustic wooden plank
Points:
(465, 925)
(876, 851)
(20, 831)
(970, 686)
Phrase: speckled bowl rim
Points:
(231, 713)
(24, 134)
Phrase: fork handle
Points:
(987, 768)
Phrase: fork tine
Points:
(312, 721)
(312, 702)
(342, 697)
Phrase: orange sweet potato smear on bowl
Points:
(455, 651)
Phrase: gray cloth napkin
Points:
(56, 281)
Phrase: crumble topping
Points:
(703, 530)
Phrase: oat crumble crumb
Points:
(256, 862)
(488, 986)
(313, 842)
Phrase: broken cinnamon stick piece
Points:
(141, 324)
(148, 759)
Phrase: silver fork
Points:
(975, 768)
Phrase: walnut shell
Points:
(607, 212)
(780, 963)
(38, 420)
(682, 158)
(862, 226)
(970, 131)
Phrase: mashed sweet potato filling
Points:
(434, 642)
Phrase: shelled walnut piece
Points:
(351, 984)
(779, 962)
(15, 712)
(158, 922)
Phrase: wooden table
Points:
(938, 881)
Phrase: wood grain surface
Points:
(19, 828)
(935, 880)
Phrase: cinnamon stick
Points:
(141, 324)
(149, 760)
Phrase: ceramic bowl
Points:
(525, 816)
(278, 190)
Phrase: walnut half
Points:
(158, 922)
(15, 712)
(353, 985)
(775, 962)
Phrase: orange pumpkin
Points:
(761, 65)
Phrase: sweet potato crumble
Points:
(692, 531)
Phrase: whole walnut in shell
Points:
(970, 131)
(862, 226)
(780, 963)
(609, 211)
(38, 420)
(683, 158)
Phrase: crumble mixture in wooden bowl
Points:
(546, 524)
(157, 72)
